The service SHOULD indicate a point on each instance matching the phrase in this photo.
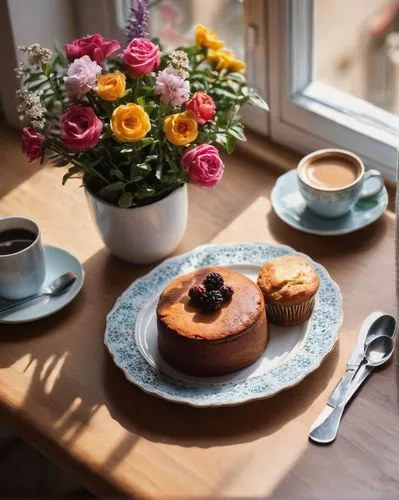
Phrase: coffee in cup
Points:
(22, 260)
(332, 180)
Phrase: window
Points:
(333, 79)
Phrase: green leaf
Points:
(255, 99)
(139, 171)
(225, 93)
(151, 157)
(240, 77)
(227, 142)
(159, 171)
(47, 68)
(230, 144)
(141, 101)
(172, 164)
(115, 172)
(144, 192)
(34, 76)
(115, 186)
(144, 142)
(72, 171)
(39, 85)
(169, 178)
(126, 151)
(145, 90)
(125, 200)
(61, 163)
(238, 132)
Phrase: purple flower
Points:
(137, 23)
(172, 88)
(82, 76)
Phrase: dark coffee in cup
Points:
(22, 258)
(15, 240)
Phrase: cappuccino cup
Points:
(333, 180)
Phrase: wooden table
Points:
(61, 391)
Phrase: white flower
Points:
(31, 108)
(37, 55)
(180, 63)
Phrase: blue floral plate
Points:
(292, 353)
(290, 206)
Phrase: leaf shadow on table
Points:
(63, 378)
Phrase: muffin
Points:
(289, 285)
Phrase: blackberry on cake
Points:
(213, 281)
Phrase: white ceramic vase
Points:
(146, 234)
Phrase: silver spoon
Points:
(57, 287)
(378, 352)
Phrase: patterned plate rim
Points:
(339, 232)
(313, 361)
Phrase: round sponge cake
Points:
(205, 343)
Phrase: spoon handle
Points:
(326, 431)
(18, 303)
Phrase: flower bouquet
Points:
(135, 123)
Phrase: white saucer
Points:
(290, 206)
(58, 262)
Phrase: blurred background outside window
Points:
(172, 21)
(356, 48)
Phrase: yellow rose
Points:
(111, 87)
(225, 59)
(181, 129)
(130, 123)
(204, 37)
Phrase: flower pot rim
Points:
(162, 200)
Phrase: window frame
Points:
(300, 106)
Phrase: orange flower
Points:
(204, 37)
(181, 128)
(225, 59)
(130, 123)
(112, 86)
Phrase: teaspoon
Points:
(57, 287)
(378, 352)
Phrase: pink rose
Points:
(94, 46)
(141, 57)
(81, 77)
(203, 165)
(32, 143)
(202, 105)
(80, 128)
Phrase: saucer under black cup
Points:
(290, 206)
(58, 261)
